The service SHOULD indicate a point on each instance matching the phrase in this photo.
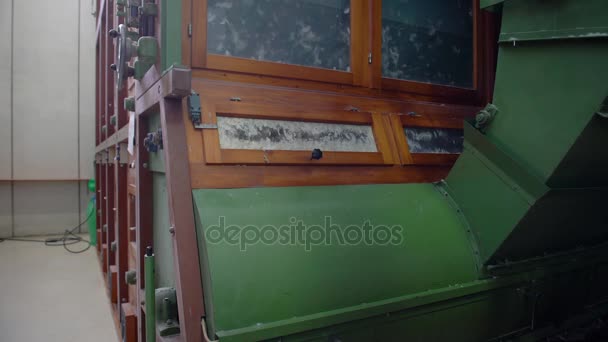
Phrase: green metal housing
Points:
(331, 282)
(535, 183)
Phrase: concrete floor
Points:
(48, 294)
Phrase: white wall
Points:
(47, 103)
(5, 90)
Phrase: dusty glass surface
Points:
(312, 33)
(434, 140)
(428, 41)
(261, 134)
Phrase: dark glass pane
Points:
(434, 140)
(305, 32)
(428, 41)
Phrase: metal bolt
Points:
(172, 230)
(145, 165)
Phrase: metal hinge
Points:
(369, 58)
(189, 30)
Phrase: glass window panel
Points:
(434, 140)
(428, 41)
(261, 134)
(305, 32)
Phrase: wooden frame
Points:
(358, 58)
(399, 122)
(366, 38)
(214, 154)
(165, 93)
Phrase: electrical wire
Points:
(68, 238)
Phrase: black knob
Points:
(113, 33)
(113, 67)
(316, 154)
(149, 251)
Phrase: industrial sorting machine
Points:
(241, 145)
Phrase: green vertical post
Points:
(149, 292)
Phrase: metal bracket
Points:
(154, 141)
(194, 108)
(131, 277)
(129, 103)
(485, 117)
(206, 126)
(167, 320)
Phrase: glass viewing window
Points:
(428, 41)
(314, 33)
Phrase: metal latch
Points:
(194, 108)
(207, 126)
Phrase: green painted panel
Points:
(531, 186)
(512, 215)
(490, 5)
(163, 244)
(272, 282)
(489, 203)
(548, 92)
(566, 19)
(475, 318)
(171, 46)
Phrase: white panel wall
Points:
(47, 112)
(5, 88)
(87, 89)
(6, 218)
(45, 207)
(45, 89)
